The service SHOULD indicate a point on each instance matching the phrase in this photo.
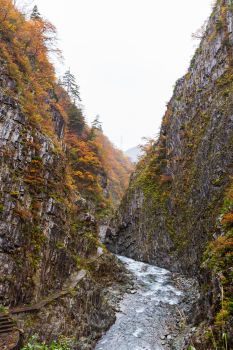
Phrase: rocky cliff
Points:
(177, 212)
(54, 272)
(46, 235)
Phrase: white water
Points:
(146, 313)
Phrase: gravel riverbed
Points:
(153, 313)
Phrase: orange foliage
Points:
(24, 47)
(165, 179)
(94, 160)
(23, 213)
(85, 165)
(24, 52)
(227, 219)
(116, 165)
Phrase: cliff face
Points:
(54, 272)
(47, 235)
(173, 206)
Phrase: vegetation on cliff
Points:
(57, 180)
(219, 259)
(179, 201)
(24, 49)
(34, 344)
(59, 176)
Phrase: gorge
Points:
(177, 212)
(90, 259)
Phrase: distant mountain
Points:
(134, 153)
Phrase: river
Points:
(151, 315)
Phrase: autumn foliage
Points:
(219, 257)
(98, 165)
(227, 219)
(116, 165)
(24, 48)
(95, 168)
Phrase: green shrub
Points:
(34, 344)
(3, 309)
(219, 25)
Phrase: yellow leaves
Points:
(60, 108)
(221, 317)
(117, 167)
(69, 182)
(221, 244)
(90, 177)
(79, 174)
(84, 176)
(48, 127)
(24, 46)
(8, 15)
(223, 11)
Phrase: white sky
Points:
(126, 56)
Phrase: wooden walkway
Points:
(70, 284)
(10, 334)
(7, 325)
(76, 278)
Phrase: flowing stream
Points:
(150, 315)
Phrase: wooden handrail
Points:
(74, 279)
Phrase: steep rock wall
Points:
(174, 197)
(48, 233)
(178, 194)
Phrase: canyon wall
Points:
(54, 272)
(177, 212)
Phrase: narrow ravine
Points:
(152, 315)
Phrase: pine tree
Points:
(72, 88)
(35, 15)
(76, 120)
(96, 124)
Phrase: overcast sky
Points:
(126, 56)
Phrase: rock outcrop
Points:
(46, 234)
(48, 201)
(172, 209)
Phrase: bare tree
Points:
(199, 34)
(24, 6)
